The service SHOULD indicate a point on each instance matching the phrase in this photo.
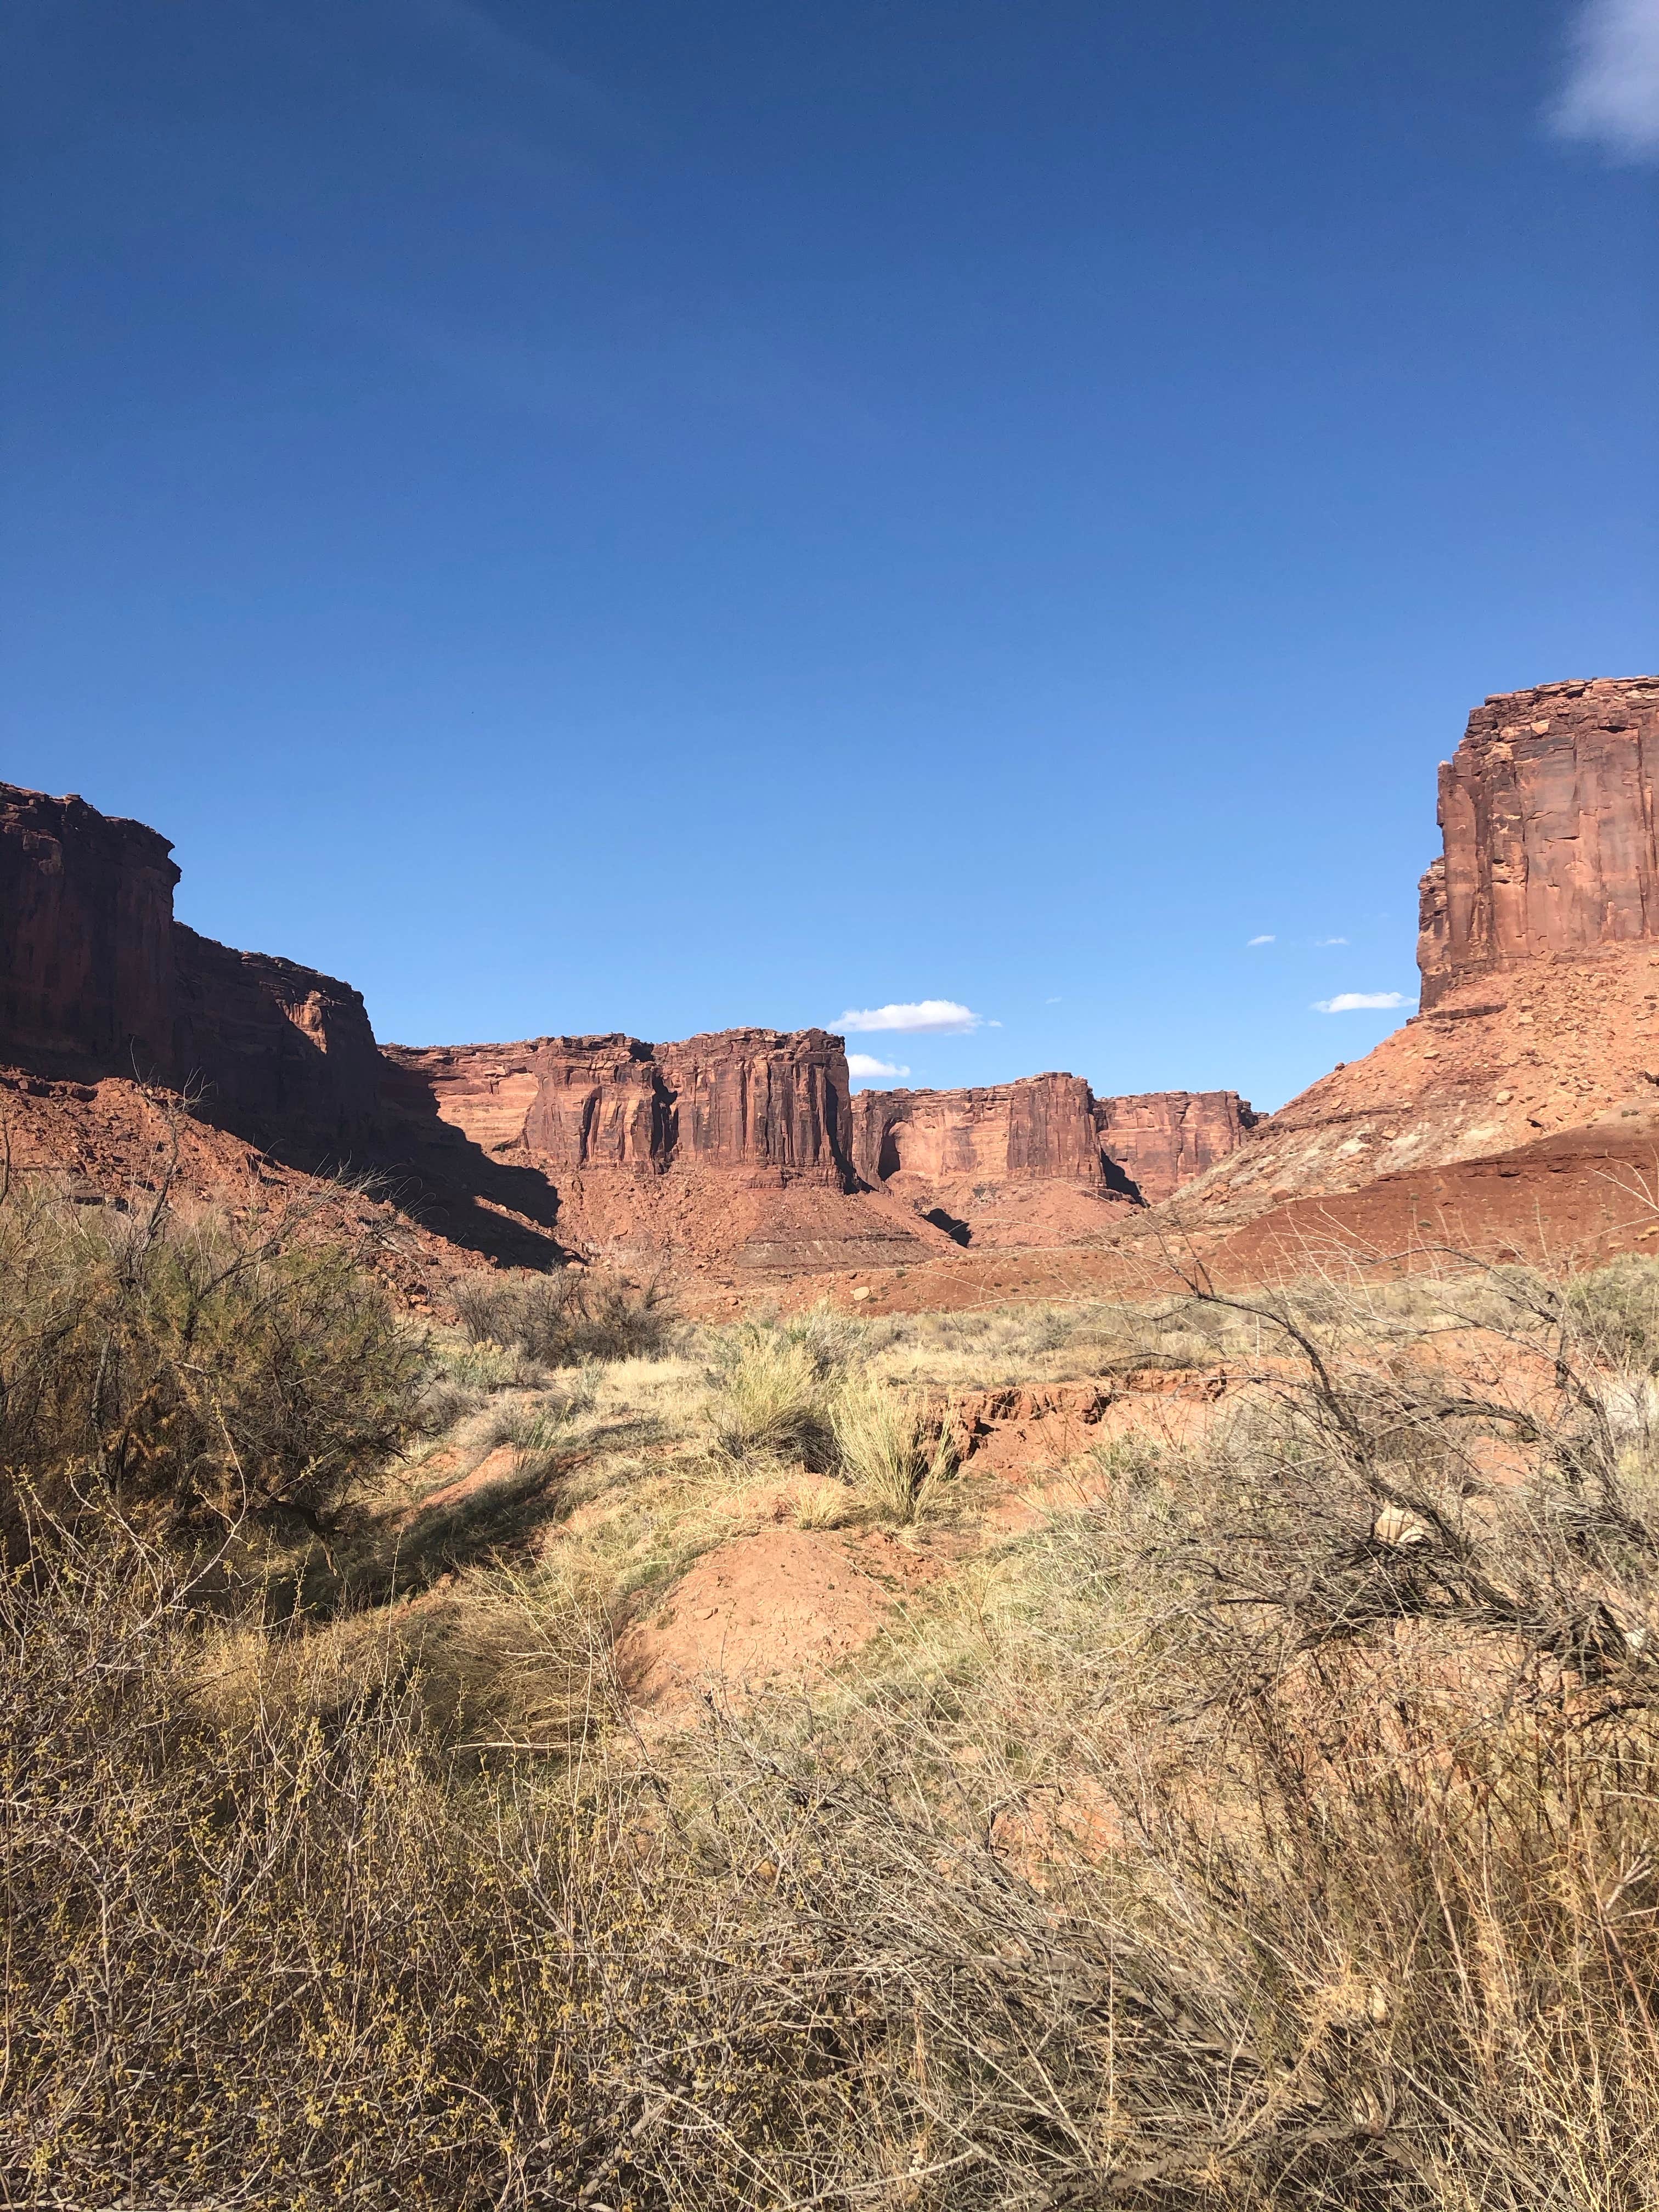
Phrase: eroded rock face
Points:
(86, 909)
(763, 1100)
(1047, 1128)
(1548, 812)
(99, 979)
(267, 1040)
(1041, 1127)
(1161, 1140)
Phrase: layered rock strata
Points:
(1042, 1126)
(765, 1102)
(1159, 1140)
(1537, 1047)
(1547, 809)
(1047, 1128)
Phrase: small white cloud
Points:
(1051, 1002)
(1612, 93)
(1263, 940)
(1330, 940)
(863, 1068)
(1359, 1002)
(920, 1016)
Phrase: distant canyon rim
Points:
(1517, 1115)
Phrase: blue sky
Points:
(577, 517)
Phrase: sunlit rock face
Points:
(1047, 1128)
(762, 1100)
(1547, 809)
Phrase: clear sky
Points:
(580, 516)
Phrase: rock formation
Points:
(270, 1042)
(1519, 1111)
(99, 980)
(762, 1102)
(1048, 1128)
(1547, 812)
(1160, 1140)
(85, 908)
(1040, 1128)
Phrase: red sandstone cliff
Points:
(758, 1101)
(86, 906)
(964, 1148)
(1041, 1127)
(267, 1041)
(1521, 1099)
(1161, 1140)
(1547, 812)
(99, 979)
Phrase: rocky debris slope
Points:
(121, 1144)
(1547, 812)
(1538, 1045)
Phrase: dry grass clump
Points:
(568, 1319)
(895, 1448)
(290, 1956)
(773, 1385)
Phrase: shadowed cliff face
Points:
(1547, 812)
(760, 1100)
(86, 904)
(99, 979)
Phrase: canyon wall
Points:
(1041, 1127)
(1547, 809)
(99, 979)
(265, 1041)
(1048, 1128)
(1160, 1140)
(761, 1101)
(86, 909)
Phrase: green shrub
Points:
(190, 1366)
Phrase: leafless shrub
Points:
(565, 1319)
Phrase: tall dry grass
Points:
(1278, 1832)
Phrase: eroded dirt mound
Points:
(777, 1609)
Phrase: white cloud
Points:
(862, 1066)
(1330, 940)
(920, 1016)
(1263, 940)
(1359, 1002)
(1611, 91)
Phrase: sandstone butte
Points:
(737, 1151)
(1517, 1107)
